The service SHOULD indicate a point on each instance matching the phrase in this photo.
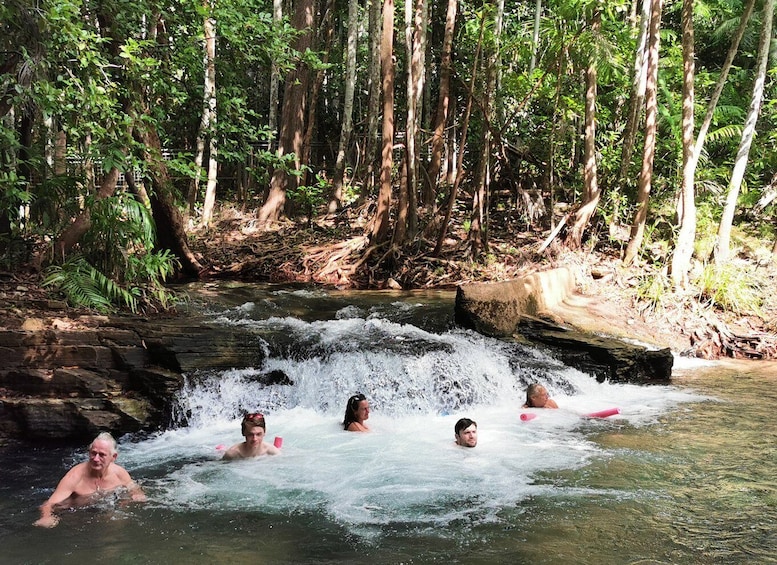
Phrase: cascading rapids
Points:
(407, 472)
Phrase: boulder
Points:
(531, 309)
(495, 309)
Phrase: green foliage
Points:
(85, 286)
(116, 266)
(730, 286)
(310, 198)
(654, 290)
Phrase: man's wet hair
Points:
(463, 424)
(105, 436)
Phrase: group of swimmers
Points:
(100, 474)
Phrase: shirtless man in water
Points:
(88, 480)
(254, 429)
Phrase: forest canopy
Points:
(645, 127)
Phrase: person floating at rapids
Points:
(466, 432)
(89, 481)
(537, 397)
(253, 428)
(357, 410)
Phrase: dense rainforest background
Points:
(371, 144)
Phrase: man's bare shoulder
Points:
(233, 452)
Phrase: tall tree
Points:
(292, 127)
(373, 102)
(443, 103)
(277, 16)
(591, 193)
(210, 122)
(478, 231)
(636, 98)
(686, 211)
(415, 44)
(347, 126)
(649, 150)
(723, 243)
(382, 215)
(463, 143)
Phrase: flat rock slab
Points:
(532, 309)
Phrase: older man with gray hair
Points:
(87, 481)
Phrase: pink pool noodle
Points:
(221, 447)
(525, 417)
(278, 442)
(604, 413)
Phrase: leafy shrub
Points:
(730, 286)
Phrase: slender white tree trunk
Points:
(210, 97)
(535, 39)
(723, 244)
(686, 211)
(649, 150)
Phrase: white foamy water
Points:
(407, 470)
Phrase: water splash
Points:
(407, 470)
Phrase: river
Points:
(684, 474)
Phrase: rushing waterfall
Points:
(420, 375)
(684, 474)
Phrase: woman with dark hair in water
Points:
(357, 410)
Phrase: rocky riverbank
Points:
(69, 376)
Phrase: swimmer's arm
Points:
(551, 403)
(272, 450)
(136, 493)
(64, 490)
(232, 453)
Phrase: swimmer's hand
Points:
(47, 521)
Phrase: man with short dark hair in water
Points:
(89, 480)
(466, 432)
(253, 428)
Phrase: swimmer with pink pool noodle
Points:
(537, 397)
(253, 428)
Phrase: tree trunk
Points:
(373, 103)
(441, 115)
(580, 219)
(651, 113)
(740, 164)
(71, 235)
(683, 251)
(478, 232)
(347, 126)
(415, 35)
(277, 16)
(381, 225)
(292, 128)
(460, 158)
(210, 96)
(327, 30)
(636, 101)
(732, 51)
(535, 37)
(167, 218)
